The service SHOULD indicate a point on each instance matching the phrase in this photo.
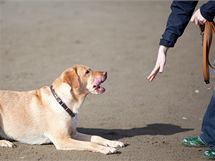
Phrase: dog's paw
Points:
(108, 150)
(115, 144)
(8, 144)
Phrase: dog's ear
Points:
(71, 77)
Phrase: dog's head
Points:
(85, 80)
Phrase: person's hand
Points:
(197, 18)
(160, 63)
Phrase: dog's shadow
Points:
(151, 129)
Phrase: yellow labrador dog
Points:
(49, 114)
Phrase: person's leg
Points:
(208, 128)
(208, 124)
(207, 137)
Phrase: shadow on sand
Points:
(151, 129)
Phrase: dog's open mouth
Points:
(97, 88)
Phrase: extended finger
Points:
(151, 78)
(153, 71)
(152, 75)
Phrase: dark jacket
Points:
(179, 18)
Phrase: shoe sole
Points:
(206, 157)
(188, 145)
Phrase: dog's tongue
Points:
(100, 90)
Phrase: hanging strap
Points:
(207, 35)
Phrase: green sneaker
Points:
(210, 154)
(193, 141)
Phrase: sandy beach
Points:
(40, 39)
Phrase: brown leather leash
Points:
(207, 35)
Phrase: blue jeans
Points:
(208, 124)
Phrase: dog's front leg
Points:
(98, 140)
(71, 144)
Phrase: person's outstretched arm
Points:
(176, 24)
(160, 63)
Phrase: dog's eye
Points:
(87, 72)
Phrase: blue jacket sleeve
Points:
(181, 12)
(208, 10)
